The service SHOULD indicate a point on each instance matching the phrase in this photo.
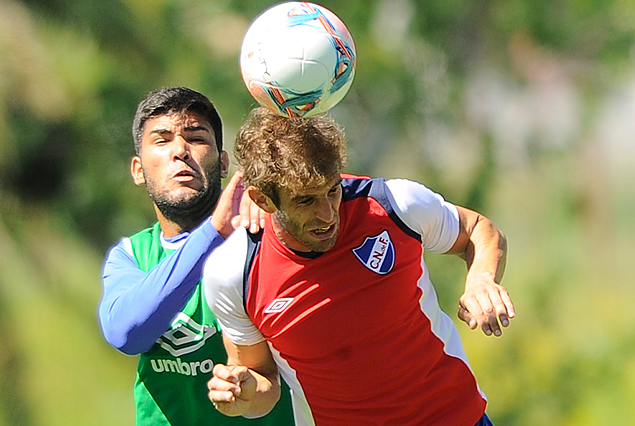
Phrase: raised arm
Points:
(485, 303)
(249, 384)
(138, 307)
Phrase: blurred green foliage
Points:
(523, 110)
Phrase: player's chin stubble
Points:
(191, 208)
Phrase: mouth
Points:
(185, 176)
(324, 232)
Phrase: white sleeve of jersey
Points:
(223, 284)
(425, 212)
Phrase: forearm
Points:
(486, 251)
(138, 307)
(485, 302)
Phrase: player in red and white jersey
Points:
(335, 293)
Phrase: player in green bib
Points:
(153, 303)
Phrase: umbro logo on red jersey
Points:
(377, 253)
(278, 305)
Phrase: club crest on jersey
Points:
(377, 253)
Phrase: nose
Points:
(181, 148)
(325, 210)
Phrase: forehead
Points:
(177, 122)
(313, 190)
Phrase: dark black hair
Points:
(169, 100)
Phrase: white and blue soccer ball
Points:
(298, 59)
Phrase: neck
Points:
(172, 229)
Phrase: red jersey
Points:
(356, 331)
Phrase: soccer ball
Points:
(298, 59)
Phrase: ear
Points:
(224, 164)
(137, 171)
(261, 200)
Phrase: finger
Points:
(224, 373)
(474, 305)
(231, 409)
(220, 391)
(494, 308)
(251, 216)
(466, 317)
(225, 389)
(500, 310)
(245, 210)
(503, 305)
(225, 407)
(254, 226)
(238, 373)
(238, 192)
(257, 218)
(224, 385)
(234, 188)
(227, 206)
(491, 316)
(236, 222)
(507, 300)
(216, 395)
(235, 374)
(262, 214)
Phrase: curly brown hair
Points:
(291, 153)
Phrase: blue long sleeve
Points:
(138, 307)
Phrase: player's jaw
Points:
(314, 236)
(186, 194)
(323, 231)
(323, 237)
(178, 186)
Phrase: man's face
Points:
(180, 165)
(311, 217)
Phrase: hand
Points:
(232, 389)
(484, 304)
(228, 205)
(250, 216)
(235, 209)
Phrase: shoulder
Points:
(426, 212)
(409, 196)
(356, 187)
(122, 251)
(125, 244)
(223, 286)
(407, 192)
(401, 195)
(224, 267)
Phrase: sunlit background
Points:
(523, 110)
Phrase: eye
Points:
(334, 190)
(305, 201)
